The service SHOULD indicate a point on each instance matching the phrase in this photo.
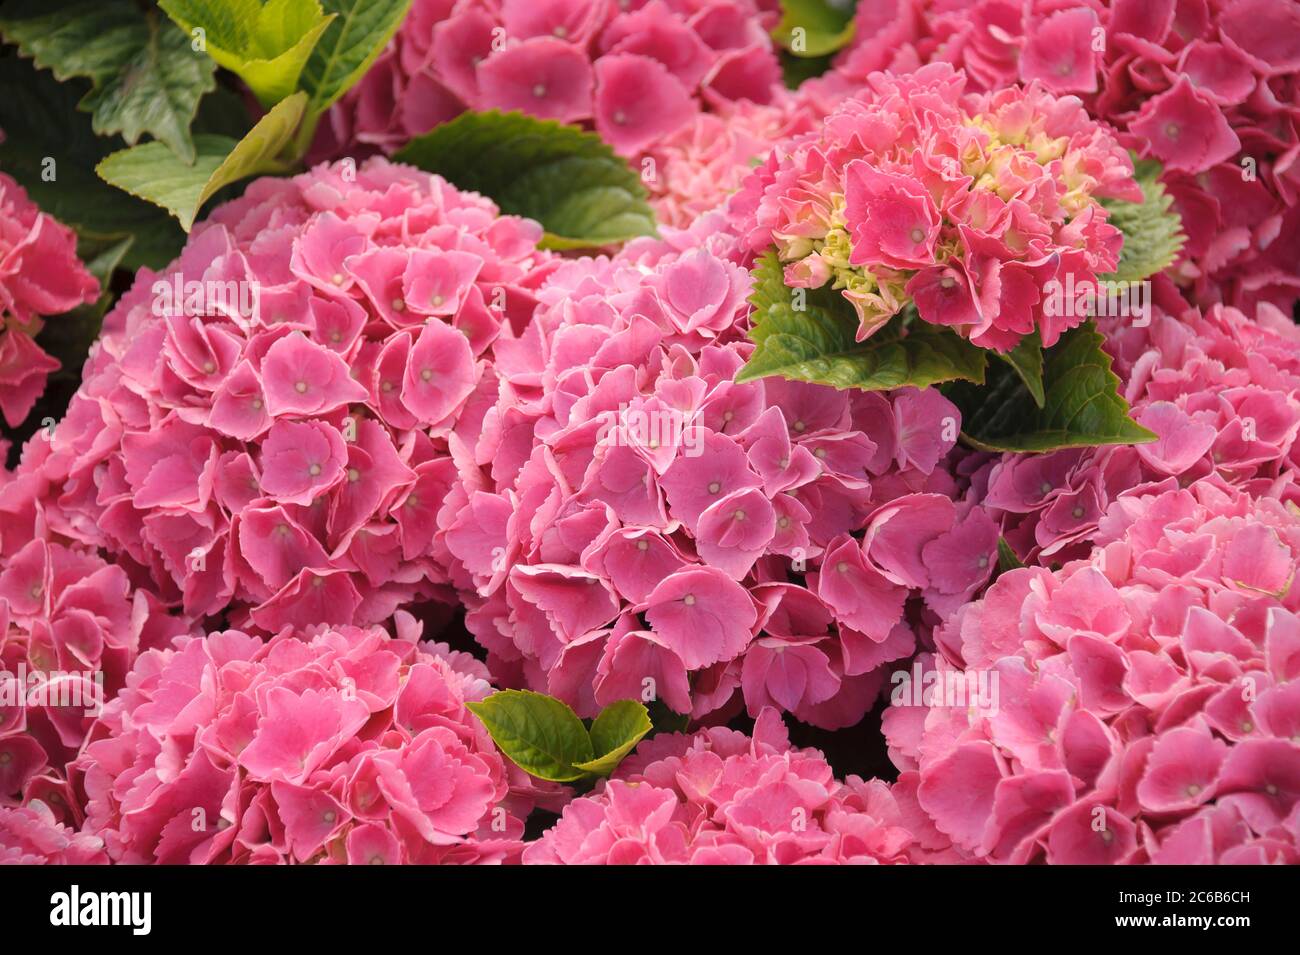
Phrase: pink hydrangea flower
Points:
(1208, 89)
(967, 206)
(40, 275)
(638, 73)
(630, 520)
(326, 746)
(279, 455)
(31, 835)
(1145, 701)
(1220, 390)
(719, 797)
(70, 630)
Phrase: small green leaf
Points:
(150, 172)
(817, 344)
(265, 44)
(1082, 406)
(614, 734)
(537, 733)
(145, 77)
(1008, 559)
(1027, 359)
(351, 42)
(1153, 232)
(567, 179)
(813, 28)
(51, 150)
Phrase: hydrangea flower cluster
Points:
(1209, 89)
(631, 519)
(1220, 390)
(70, 630)
(262, 429)
(721, 798)
(1149, 698)
(40, 275)
(967, 206)
(332, 745)
(697, 168)
(31, 835)
(637, 71)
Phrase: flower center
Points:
(300, 387)
(539, 90)
(714, 487)
(689, 600)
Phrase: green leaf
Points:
(150, 172)
(265, 44)
(1153, 232)
(614, 734)
(1082, 409)
(813, 28)
(817, 344)
(351, 42)
(50, 149)
(144, 75)
(537, 733)
(795, 70)
(1008, 559)
(1027, 359)
(567, 179)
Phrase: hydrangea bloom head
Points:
(631, 519)
(1207, 89)
(1147, 698)
(1220, 391)
(263, 428)
(637, 72)
(719, 797)
(334, 745)
(40, 275)
(968, 207)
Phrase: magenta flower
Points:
(721, 798)
(40, 275)
(327, 746)
(967, 206)
(1145, 697)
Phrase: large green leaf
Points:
(614, 734)
(353, 40)
(1153, 232)
(151, 172)
(1027, 359)
(265, 43)
(567, 179)
(50, 149)
(537, 733)
(1082, 409)
(145, 77)
(817, 343)
(813, 28)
